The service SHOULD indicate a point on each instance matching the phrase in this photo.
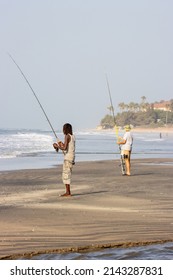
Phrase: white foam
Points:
(15, 144)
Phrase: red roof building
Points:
(164, 106)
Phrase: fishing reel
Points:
(58, 146)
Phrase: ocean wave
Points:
(15, 143)
(153, 140)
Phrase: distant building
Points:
(163, 106)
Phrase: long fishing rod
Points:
(123, 170)
(110, 97)
(34, 95)
(112, 107)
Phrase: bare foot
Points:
(65, 194)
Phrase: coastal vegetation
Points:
(141, 114)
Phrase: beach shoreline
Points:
(165, 130)
(154, 130)
(106, 209)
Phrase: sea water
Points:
(148, 252)
(28, 149)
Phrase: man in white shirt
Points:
(126, 148)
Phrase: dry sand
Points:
(106, 209)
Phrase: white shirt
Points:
(129, 141)
(70, 152)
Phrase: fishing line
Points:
(34, 95)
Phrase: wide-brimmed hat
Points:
(127, 127)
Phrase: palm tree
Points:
(171, 105)
(168, 108)
(136, 107)
(132, 106)
(143, 104)
(122, 106)
(143, 99)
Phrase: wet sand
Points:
(105, 210)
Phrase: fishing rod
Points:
(110, 97)
(34, 95)
(123, 170)
(112, 107)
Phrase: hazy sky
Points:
(65, 47)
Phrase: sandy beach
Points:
(105, 210)
(163, 130)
